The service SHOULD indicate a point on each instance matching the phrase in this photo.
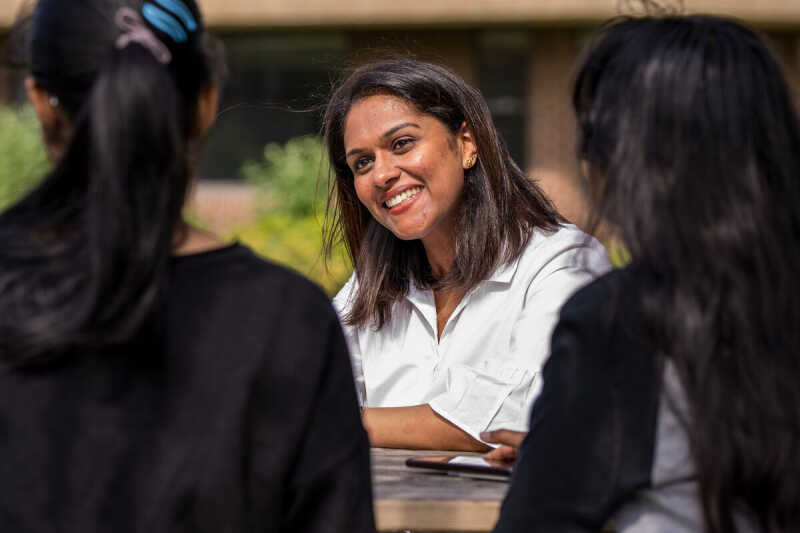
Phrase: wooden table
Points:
(408, 499)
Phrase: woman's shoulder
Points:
(563, 238)
(344, 298)
(606, 308)
(566, 247)
(238, 272)
(597, 294)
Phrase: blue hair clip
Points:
(180, 10)
(164, 22)
(134, 30)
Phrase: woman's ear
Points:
(207, 106)
(51, 116)
(466, 142)
(43, 103)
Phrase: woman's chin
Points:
(406, 236)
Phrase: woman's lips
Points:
(398, 199)
(406, 204)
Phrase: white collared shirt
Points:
(484, 371)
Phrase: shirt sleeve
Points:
(500, 394)
(310, 452)
(342, 302)
(592, 428)
(569, 270)
(331, 488)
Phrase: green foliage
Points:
(618, 254)
(297, 243)
(288, 227)
(289, 174)
(22, 156)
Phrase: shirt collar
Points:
(425, 303)
(424, 298)
(504, 273)
(420, 297)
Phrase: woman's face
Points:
(408, 167)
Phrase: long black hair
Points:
(693, 145)
(86, 253)
(499, 209)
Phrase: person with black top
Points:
(670, 399)
(153, 379)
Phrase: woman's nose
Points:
(385, 172)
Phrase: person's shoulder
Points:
(563, 238)
(606, 307)
(343, 300)
(238, 269)
(597, 294)
(566, 246)
(588, 319)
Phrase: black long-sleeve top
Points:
(607, 444)
(239, 414)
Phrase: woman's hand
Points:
(509, 441)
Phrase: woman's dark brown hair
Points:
(499, 209)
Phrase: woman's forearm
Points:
(416, 427)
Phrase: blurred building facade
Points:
(283, 56)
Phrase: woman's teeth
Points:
(396, 200)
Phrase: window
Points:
(503, 63)
(276, 87)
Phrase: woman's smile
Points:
(402, 198)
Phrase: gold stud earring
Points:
(470, 162)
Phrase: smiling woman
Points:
(461, 264)
(407, 169)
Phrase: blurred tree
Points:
(22, 157)
(290, 174)
(288, 226)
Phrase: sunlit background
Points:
(259, 181)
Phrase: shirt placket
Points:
(437, 358)
(424, 302)
(440, 345)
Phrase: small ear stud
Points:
(469, 163)
(53, 101)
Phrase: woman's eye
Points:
(360, 164)
(402, 144)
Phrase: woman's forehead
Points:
(372, 117)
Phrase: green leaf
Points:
(23, 161)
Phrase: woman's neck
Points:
(441, 254)
(191, 240)
(446, 300)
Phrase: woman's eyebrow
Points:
(399, 127)
(388, 133)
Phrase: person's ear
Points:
(51, 116)
(467, 145)
(207, 106)
(43, 103)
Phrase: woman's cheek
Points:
(419, 165)
(361, 192)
